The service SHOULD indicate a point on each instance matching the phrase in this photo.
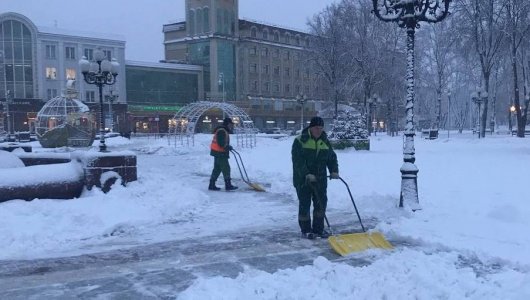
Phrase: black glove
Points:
(230, 148)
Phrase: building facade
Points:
(36, 62)
(260, 67)
(156, 91)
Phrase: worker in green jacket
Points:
(220, 150)
(312, 154)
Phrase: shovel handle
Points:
(352, 201)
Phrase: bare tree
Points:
(518, 27)
(437, 41)
(486, 26)
(328, 52)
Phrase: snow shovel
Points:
(244, 174)
(345, 244)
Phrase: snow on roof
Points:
(161, 65)
(71, 32)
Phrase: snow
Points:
(469, 240)
(9, 160)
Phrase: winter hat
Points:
(227, 121)
(316, 121)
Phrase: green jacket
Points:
(312, 156)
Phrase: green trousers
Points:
(306, 195)
(220, 165)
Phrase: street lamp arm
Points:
(408, 13)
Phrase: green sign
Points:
(154, 108)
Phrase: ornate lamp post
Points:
(301, 99)
(408, 14)
(110, 99)
(103, 72)
(478, 97)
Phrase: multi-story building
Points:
(260, 67)
(36, 62)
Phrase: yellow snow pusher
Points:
(243, 172)
(345, 244)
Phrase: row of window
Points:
(51, 73)
(69, 53)
(276, 88)
(275, 53)
(253, 68)
(287, 37)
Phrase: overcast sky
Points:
(140, 21)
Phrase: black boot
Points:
(229, 186)
(212, 186)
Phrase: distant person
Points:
(220, 150)
(311, 155)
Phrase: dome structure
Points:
(65, 121)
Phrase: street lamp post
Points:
(448, 112)
(103, 72)
(408, 14)
(511, 111)
(478, 97)
(110, 99)
(6, 112)
(372, 112)
(222, 82)
(301, 99)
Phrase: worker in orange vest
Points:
(220, 150)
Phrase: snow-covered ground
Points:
(470, 240)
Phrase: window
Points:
(265, 34)
(276, 70)
(255, 85)
(108, 54)
(276, 87)
(51, 93)
(253, 68)
(253, 32)
(252, 50)
(89, 54)
(287, 55)
(90, 96)
(51, 73)
(50, 51)
(266, 69)
(70, 74)
(287, 88)
(287, 71)
(265, 52)
(297, 40)
(276, 36)
(266, 86)
(287, 37)
(69, 52)
(296, 56)
(297, 72)
(276, 53)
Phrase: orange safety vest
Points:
(215, 146)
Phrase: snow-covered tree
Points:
(348, 126)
